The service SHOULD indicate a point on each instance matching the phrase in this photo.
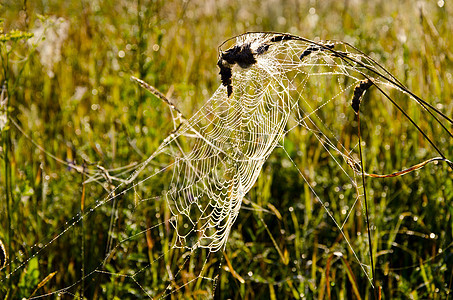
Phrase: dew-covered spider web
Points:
(274, 86)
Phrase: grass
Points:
(89, 111)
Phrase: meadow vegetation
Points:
(70, 99)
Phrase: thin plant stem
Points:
(141, 47)
(82, 209)
(7, 169)
(6, 137)
(370, 245)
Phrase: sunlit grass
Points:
(91, 113)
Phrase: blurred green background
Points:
(71, 93)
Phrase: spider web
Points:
(210, 161)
